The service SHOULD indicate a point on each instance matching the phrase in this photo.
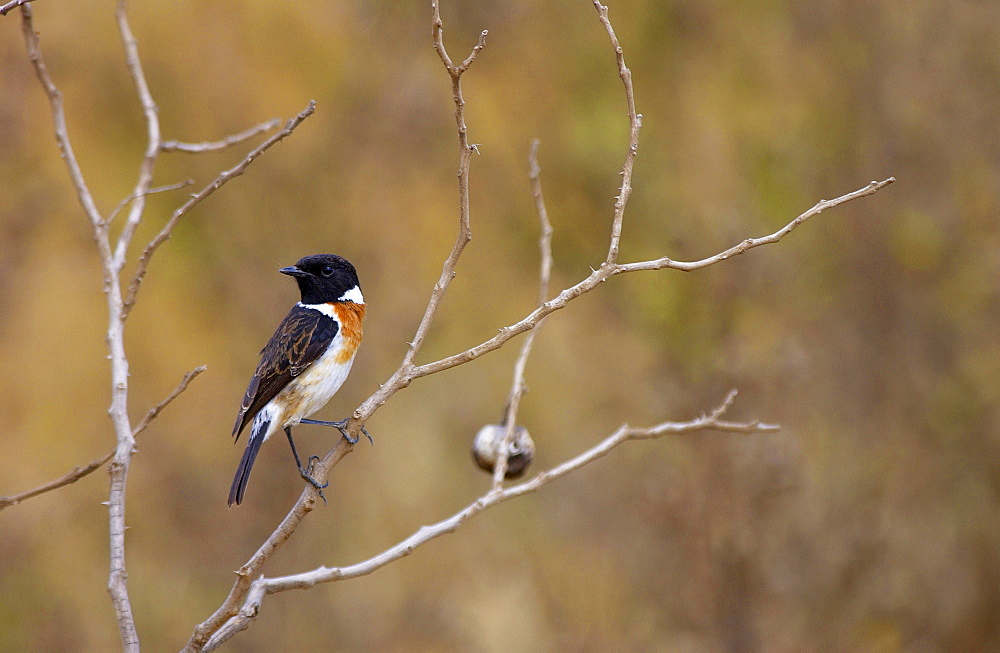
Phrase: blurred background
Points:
(871, 334)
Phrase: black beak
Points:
(293, 271)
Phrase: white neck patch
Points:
(325, 309)
(352, 295)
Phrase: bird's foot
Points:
(341, 426)
(307, 475)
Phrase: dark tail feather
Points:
(246, 464)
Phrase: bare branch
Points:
(151, 114)
(265, 586)
(437, 35)
(402, 376)
(72, 476)
(215, 146)
(545, 239)
(7, 8)
(408, 372)
(62, 135)
(158, 408)
(151, 191)
(118, 410)
(750, 243)
(399, 379)
(465, 156)
(480, 44)
(217, 183)
(251, 569)
(518, 386)
(634, 124)
(112, 262)
(243, 602)
(606, 271)
(77, 473)
(119, 468)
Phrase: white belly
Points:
(317, 384)
(308, 392)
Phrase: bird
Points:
(304, 363)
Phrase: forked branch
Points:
(112, 263)
(77, 473)
(216, 184)
(399, 379)
(518, 386)
(244, 600)
(10, 6)
(634, 124)
(464, 160)
(263, 586)
(215, 146)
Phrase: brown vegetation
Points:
(871, 335)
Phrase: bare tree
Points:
(121, 296)
(242, 605)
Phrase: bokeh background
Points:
(871, 334)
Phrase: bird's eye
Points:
(327, 271)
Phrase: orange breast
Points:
(351, 316)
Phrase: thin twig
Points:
(5, 9)
(215, 146)
(465, 156)
(242, 604)
(606, 271)
(151, 114)
(750, 243)
(77, 473)
(216, 184)
(251, 569)
(151, 191)
(263, 586)
(118, 410)
(154, 412)
(634, 124)
(72, 476)
(403, 374)
(307, 499)
(545, 238)
(518, 386)
(59, 119)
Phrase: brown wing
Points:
(301, 338)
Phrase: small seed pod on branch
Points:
(486, 449)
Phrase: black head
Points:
(325, 278)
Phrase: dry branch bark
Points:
(260, 588)
(243, 603)
(113, 259)
(77, 473)
(518, 386)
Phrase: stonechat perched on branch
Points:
(305, 362)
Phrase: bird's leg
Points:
(305, 472)
(340, 426)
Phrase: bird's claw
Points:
(347, 437)
(316, 484)
(341, 426)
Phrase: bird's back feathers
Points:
(302, 337)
